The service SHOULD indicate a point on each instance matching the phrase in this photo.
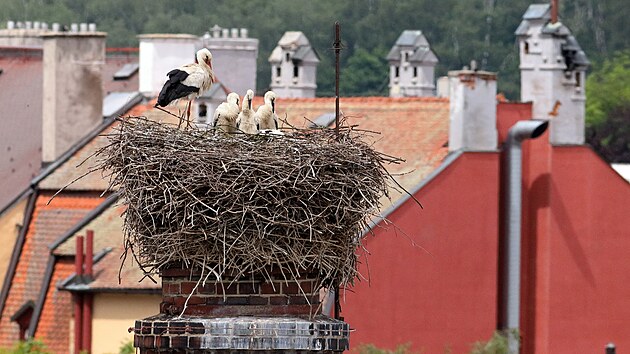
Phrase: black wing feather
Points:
(174, 89)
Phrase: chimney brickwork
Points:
(73, 90)
(249, 314)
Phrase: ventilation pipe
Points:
(522, 130)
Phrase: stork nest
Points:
(243, 203)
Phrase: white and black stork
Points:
(189, 81)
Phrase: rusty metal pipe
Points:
(77, 297)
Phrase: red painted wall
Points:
(441, 293)
(576, 241)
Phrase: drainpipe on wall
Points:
(86, 340)
(77, 297)
(511, 272)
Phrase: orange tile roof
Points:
(47, 223)
(54, 323)
(108, 234)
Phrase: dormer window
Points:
(406, 56)
(396, 71)
(203, 111)
(415, 71)
(278, 71)
(526, 48)
(295, 71)
(578, 80)
(288, 57)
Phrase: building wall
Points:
(433, 276)
(234, 62)
(10, 224)
(114, 314)
(575, 241)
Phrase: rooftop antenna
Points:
(337, 48)
(554, 11)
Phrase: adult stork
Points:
(190, 81)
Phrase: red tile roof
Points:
(54, 323)
(47, 223)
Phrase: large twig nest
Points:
(242, 203)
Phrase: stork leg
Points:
(188, 114)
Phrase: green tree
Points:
(608, 108)
(366, 74)
(30, 346)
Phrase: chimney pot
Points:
(92, 27)
(20, 25)
(55, 27)
(29, 25)
(216, 31)
(234, 32)
(10, 25)
(225, 32)
(36, 25)
(83, 27)
(243, 32)
(74, 28)
(44, 26)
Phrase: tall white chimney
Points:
(159, 54)
(473, 111)
(73, 92)
(553, 74)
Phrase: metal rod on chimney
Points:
(337, 47)
(554, 11)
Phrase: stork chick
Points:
(246, 120)
(266, 113)
(226, 114)
(190, 81)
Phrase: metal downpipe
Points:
(511, 271)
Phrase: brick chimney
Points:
(248, 314)
(73, 93)
(159, 54)
(553, 73)
(473, 110)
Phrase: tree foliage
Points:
(459, 31)
(608, 108)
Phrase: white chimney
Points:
(73, 92)
(10, 25)
(92, 27)
(473, 111)
(55, 27)
(294, 66)
(553, 74)
(161, 53)
(83, 27)
(74, 27)
(234, 59)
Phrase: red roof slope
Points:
(48, 222)
(54, 322)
